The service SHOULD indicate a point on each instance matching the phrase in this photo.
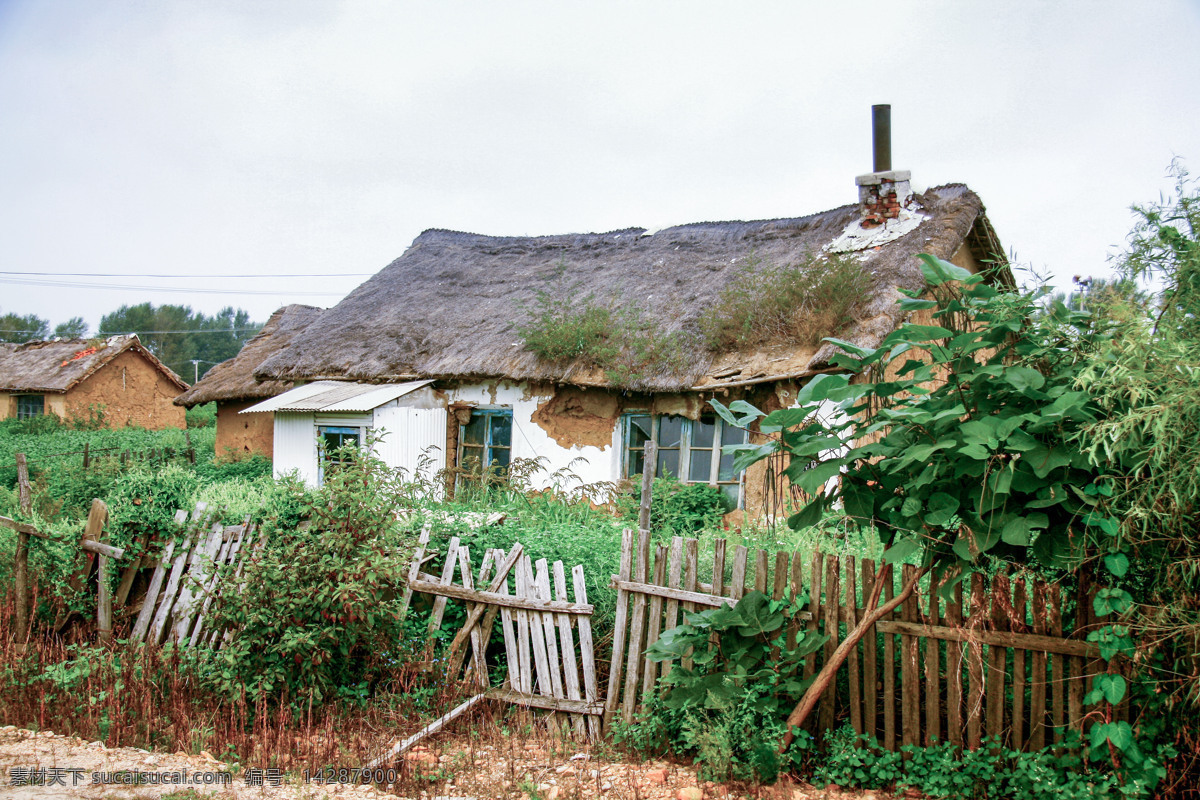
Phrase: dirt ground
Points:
(47, 766)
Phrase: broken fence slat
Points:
(414, 569)
(142, 625)
(439, 604)
(428, 730)
(591, 691)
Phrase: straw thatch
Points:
(452, 305)
(56, 367)
(234, 379)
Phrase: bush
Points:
(797, 303)
(142, 506)
(321, 618)
(943, 770)
(202, 416)
(728, 708)
(677, 509)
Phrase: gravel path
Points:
(47, 766)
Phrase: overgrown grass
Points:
(785, 303)
(563, 327)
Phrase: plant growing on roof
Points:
(792, 303)
(563, 327)
(957, 444)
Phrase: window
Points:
(486, 440)
(329, 439)
(689, 450)
(30, 405)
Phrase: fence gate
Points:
(547, 636)
(999, 659)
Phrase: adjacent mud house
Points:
(231, 385)
(439, 349)
(116, 380)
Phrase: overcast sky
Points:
(204, 139)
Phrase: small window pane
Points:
(725, 470)
(702, 433)
(701, 463)
(730, 490)
(637, 460)
(670, 431)
(639, 431)
(732, 435)
(501, 431)
(30, 405)
(500, 457)
(475, 431)
(668, 463)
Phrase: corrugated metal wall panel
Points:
(408, 433)
(296, 446)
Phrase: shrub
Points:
(728, 707)
(677, 509)
(321, 618)
(142, 505)
(202, 416)
(797, 303)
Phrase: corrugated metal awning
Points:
(336, 396)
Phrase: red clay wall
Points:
(131, 392)
(242, 435)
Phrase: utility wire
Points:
(151, 275)
(142, 288)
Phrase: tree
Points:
(177, 334)
(74, 328)
(17, 329)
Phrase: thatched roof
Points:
(452, 305)
(55, 367)
(234, 379)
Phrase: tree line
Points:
(189, 342)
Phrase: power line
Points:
(142, 288)
(147, 333)
(153, 275)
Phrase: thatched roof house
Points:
(233, 387)
(464, 310)
(116, 378)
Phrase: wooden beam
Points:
(549, 703)
(100, 548)
(682, 595)
(496, 599)
(1025, 641)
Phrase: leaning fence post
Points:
(21, 557)
(97, 516)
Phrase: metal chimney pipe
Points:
(881, 135)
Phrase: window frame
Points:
(24, 403)
(488, 447)
(686, 437)
(323, 457)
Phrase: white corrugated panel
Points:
(413, 438)
(296, 446)
(290, 396)
(374, 396)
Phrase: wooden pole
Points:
(649, 464)
(103, 603)
(86, 459)
(21, 557)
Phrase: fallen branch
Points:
(871, 614)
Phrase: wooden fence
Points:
(548, 646)
(1000, 658)
(188, 578)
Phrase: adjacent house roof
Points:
(453, 304)
(55, 367)
(234, 379)
(336, 397)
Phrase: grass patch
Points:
(564, 327)
(794, 303)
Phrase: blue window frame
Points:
(689, 450)
(329, 439)
(486, 439)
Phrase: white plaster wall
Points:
(590, 464)
(295, 445)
